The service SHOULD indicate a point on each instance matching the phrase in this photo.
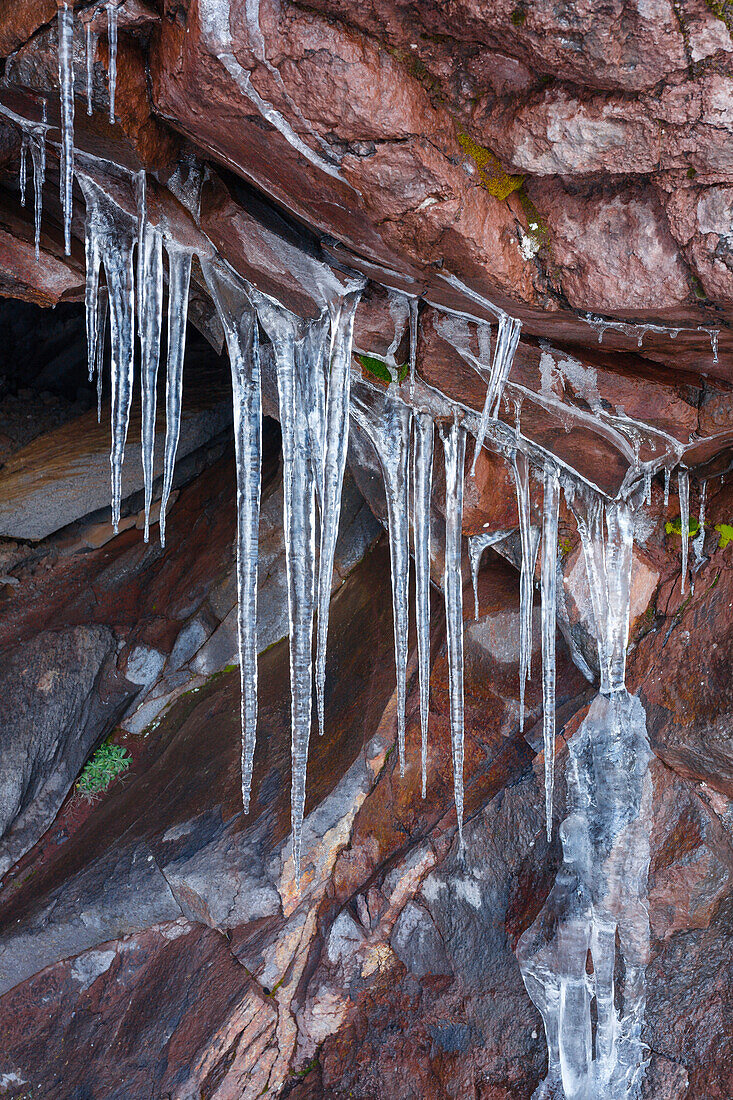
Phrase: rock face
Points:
(569, 163)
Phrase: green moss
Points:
(496, 181)
(674, 527)
(691, 173)
(725, 530)
(519, 16)
(106, 764)
(377, 367)
(723, 10)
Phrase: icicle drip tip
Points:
(683, 485)
(422, 485)
(112, 40)
(454, 444)
(338, 402)
(549, 610)
(66, 85)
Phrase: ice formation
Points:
(454, 444)
(529, 542)
(422, 487)
(112, 42)
(66, 86)
(550, 515)
(683, 486)
(179, 277)
(599, 893)
(90, 45)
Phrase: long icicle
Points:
(422, 487)
(683, 485)
(334, 463)
(240, 329)
(529, 537)
(454, 443)
(22, 176)
(112, 41)
(91, 49)
(150, 314)
(179, 278)
(549, 611)
(91, 294)
(66, 86)
(38, 156)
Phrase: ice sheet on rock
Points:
(422, 486)
(112, 40)
(477, 544)
(66, 86)
(333, 449)
(110, 236)
(550, 514)
(150, 315)
(683, 486)
(530, 540)
(454, 444)
(387, 422)
(240, 329)
(299, 521)
(179, 278)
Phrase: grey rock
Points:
(144, 665)
(416, 942)
(191, 638)
(54, 710)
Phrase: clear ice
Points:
(550, 514)
(149, 319)
(112, 41)
(240, 330)
(504, 350)
(683, 485)
(422, 488)
(388, 424)
(454, 444)
(530, 540)
(179, 278)
(334, 448)
(598, 902)
(66, 86)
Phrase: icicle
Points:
(454, 443)
(647, 486)
(299, 521)
(102, 311)
(476, 546)
(91, 294)
(66, 85)
(506, 346)
(549, 603)
(667, 473)
(413, 343)
(389, 431)
(529, 536)
(112, 40)
(334, 464)
(179, 278)
(23, 167)
(91, 49)
(38, 156)
(312, 365)
(149, 314)
(422, 485)
(683, 484)
(240, 329)
(698, 543)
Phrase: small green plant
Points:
(725, 530)
(380, 370)
(106, 764)
(674, 527)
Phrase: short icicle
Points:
(112, 40)
(529, 537)
(549, 609)
(66, 85)
(240, 330)
(477, 544)
(38, 156)
(179, 278)
(388, 426)
(91, 49)
(338, 401)
(683, 484)
(22, 175)
(454, 443)
(422, 485)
